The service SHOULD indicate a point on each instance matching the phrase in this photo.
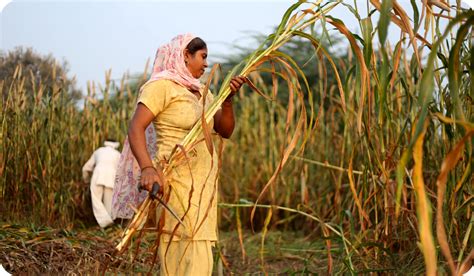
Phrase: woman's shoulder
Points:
(167, 85)
(161, 83)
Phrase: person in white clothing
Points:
(103, 166)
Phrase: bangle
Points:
(147, 167)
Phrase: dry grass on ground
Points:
(41, 250)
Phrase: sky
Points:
(94, 36)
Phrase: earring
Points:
(185, 62)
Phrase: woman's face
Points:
(196, 63)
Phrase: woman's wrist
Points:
(148, 167)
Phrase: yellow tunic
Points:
(176, 111)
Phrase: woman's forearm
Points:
(137, 140)
(224, 120)
(136, 137)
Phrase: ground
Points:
(39, 250)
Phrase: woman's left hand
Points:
(235, 84)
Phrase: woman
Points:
(173, 101)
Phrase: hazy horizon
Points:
(121, 35)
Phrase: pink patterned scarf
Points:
(169, 64)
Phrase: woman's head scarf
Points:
(169, 64)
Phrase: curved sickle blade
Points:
(153, 194)
(170, 210)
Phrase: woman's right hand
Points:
(149, 176)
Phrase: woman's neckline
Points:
(195, 93)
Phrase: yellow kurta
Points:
(176, 111)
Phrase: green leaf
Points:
(384, 20)
(416, 16)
